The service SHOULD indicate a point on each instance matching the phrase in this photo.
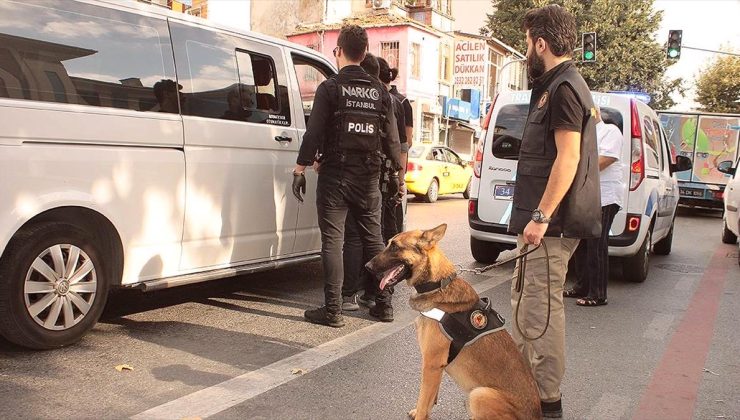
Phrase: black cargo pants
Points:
(354, 189)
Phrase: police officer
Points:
(556, 200)
(351, 123)
(405, 130)
(355, 275)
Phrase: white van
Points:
(142, 148)
(650, 194)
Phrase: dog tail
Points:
(489, 404)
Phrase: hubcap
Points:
(433, 190)
(60, 287)
(645, 261)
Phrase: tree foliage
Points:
(627, 56)
(718, 85)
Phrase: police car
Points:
(650, 195)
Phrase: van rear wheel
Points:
(727, 236)
(53, 286)
(484, 252)
(663, 246)
(635, 268)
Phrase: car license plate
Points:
(691, 192)
(503, 192)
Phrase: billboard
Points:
(471, 58)
(705, 139)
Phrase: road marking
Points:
(673, 388)
(609, 406)
(658, 327)
(222, 396)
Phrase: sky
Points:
(709, 24)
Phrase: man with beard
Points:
(557, 161)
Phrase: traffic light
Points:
(674, 44)
(588, 46)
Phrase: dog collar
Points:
(430, 287)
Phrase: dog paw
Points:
(412, 414)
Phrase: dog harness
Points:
(465, 328)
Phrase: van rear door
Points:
(498, 175)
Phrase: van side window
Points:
(225, 81)
(310, 75)
(74, 53)
(510, 123)
(661, 141)
(652, 143)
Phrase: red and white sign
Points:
(471, 58)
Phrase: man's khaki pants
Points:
(546, 355)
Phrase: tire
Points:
(432, 192)
(727, 236)
(635, 268)
(58, 313)
(663, 246)
(466, 193)
(484, 252)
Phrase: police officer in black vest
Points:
(557, 198)
(351, 126)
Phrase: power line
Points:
(712, 51)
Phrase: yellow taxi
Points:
(434, 170)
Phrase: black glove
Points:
(299, 186)
(393, 185)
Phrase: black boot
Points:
(382, 311)
(321, 316)
(552, 410)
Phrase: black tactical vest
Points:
(465, 328)
(360, 115)
(579, 213)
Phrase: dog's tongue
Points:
(390, 275)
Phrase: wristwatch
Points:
(538, 216)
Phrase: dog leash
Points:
(519, 287)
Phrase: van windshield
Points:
(511, 118)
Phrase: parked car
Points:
(142, 148)
(436, 170)
(731, 217)
(650, 196)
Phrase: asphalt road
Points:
(239, 348)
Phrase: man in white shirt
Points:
(592, 255)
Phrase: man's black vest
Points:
(360, 116)
(579, 213)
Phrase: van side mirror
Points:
(726, 167)
(506, 147)
(682, 164)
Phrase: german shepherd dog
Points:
(491, 370)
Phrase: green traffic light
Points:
(588, 55)
(673, 53)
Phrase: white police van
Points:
(650, 193)
(143, 148)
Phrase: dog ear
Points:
(432, 236)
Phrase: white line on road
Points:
(659, 327)
(217, 398)
(610, 406)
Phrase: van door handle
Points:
(283, 138)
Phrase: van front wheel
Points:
(484, 252)
(635, 268)
(53, 286)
